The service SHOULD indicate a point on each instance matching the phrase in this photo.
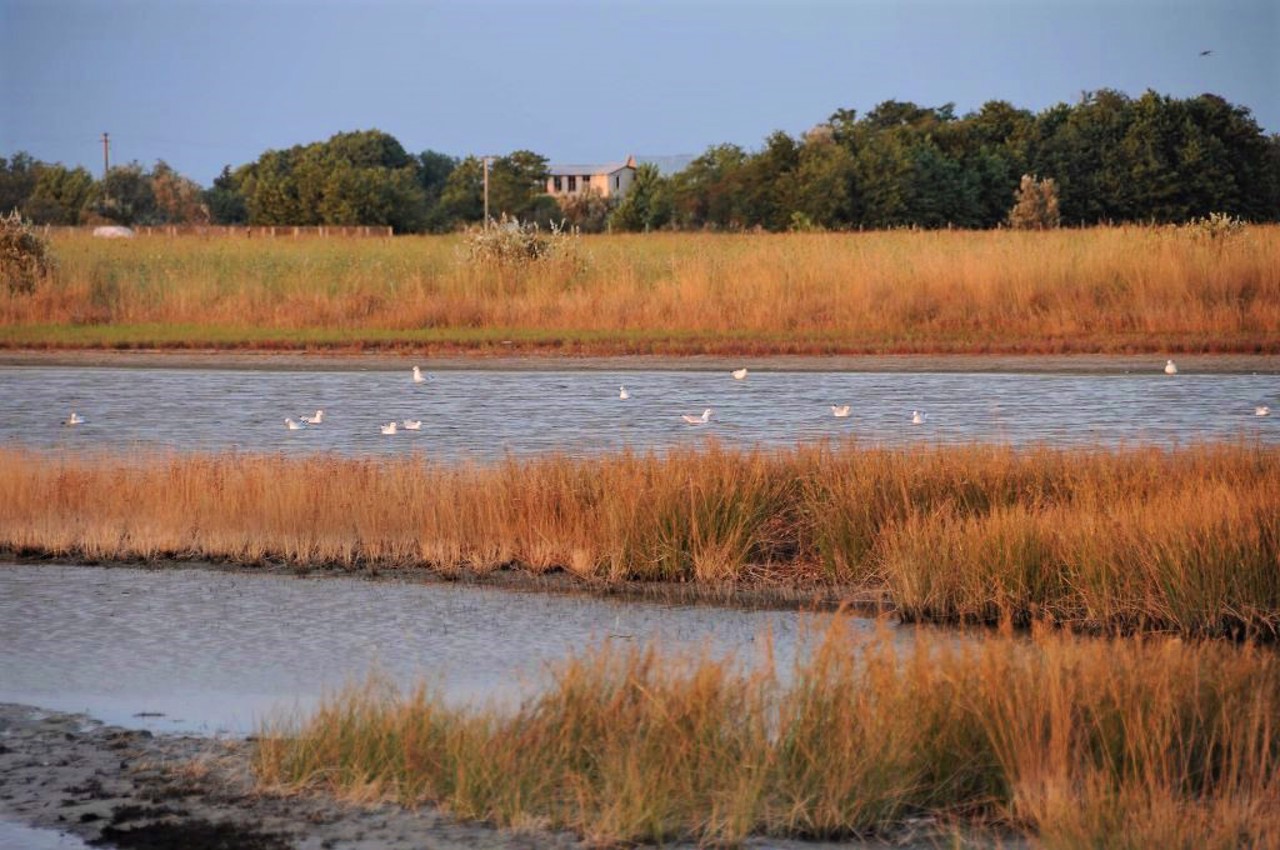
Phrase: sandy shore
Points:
(129, 788)
(1071, 364)
(123, 788)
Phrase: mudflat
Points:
(125, 788)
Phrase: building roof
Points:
(599, 168)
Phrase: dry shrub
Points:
(25, 259)
(1035, 205)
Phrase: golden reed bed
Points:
(1185, 540)
(1118, 743)
(1111, 290)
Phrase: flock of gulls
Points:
(839, 411)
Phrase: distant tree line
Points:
(1107, 158)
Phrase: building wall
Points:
(608, 185)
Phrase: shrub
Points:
(1035, 205)
(508, 242)
(24, 256)
(1217, 227)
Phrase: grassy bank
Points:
(1106, 290)
(1185, 540)
(1106, 743)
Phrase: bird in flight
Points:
(1205, 52)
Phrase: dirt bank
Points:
(1075, 364)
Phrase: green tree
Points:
(179, 200)
(709, 192)
(363, 177)
(225, 201)
(824, 181)
(882, 170)
(124, 196)
(516, 183)
(517, 188)
(462, 196)
(434, 169)
(17, 181)
(1082, 148)
(59, 195)
(647, 204)
(1228, 141)
(769, 184)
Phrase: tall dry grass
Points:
(1103, 289)
(1133, 539)
(1103, 743)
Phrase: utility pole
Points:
(486, 191)
(106, 158)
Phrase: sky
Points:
(203, 84)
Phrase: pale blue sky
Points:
(201, 84)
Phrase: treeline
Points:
(1107, 158)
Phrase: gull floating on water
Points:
(918, 418)
(292, 426)
(739, 374)
(698, 420)
(1169, 368)
(389, 428)
(840, 411)
(314, 420)
(1262, 410)
(623, 394)
(418, 377)
(74, 419)
(411, 424)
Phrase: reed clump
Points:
(1132, 539)
(1118, 289)
(1138, 742)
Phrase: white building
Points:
(609, 180)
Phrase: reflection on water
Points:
(215, 651)
(489, 413)
(21, 837)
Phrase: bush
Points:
(1035, 205)
(510, 243)
(24, 256)
(1217, 227)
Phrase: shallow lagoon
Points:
(487, 413)
(214, 652)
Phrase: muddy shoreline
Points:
(754, 596)
(123, 788)
(887, 363)
(114, 787)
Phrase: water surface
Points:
(205, 651)
(484, 414)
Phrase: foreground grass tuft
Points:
(1076, 743)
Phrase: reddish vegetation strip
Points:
(1103, 290)
(1128, 540)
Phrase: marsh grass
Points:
(1100, 290)
(1139, 742)
(1186, 540)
